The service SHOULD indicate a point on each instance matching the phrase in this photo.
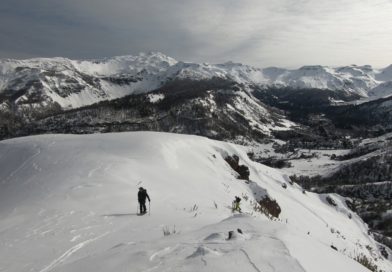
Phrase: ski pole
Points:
(149, 208)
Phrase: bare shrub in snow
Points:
(167, 231)
(331, 201)
(269, 207)
(242, 170)
(366, 262)
(194, 208)
(274, 162)
(245, 197)
(384, 252)
(350, 205)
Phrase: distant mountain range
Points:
(76, 83)
(263, 100)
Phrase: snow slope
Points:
(68, 203)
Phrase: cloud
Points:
(259, 32)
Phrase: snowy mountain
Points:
(382, 90)
(37, 91)
(68, 203)
(352, 79)
(216, 108)
(66, 84)
(70, 84)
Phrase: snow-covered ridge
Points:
(76, 83)
(101, 67)
(68, 203)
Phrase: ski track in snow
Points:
(69, 253)
(159, 252)
(22, 165)
(250, 261)
(92, 171)
(110, 173)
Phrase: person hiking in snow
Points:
(236, 204)
(141, 197)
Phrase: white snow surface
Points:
(154, 98)
(68, 203)
(150, 71)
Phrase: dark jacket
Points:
(142, 195)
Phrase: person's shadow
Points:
(119, 214)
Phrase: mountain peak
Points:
(312, 68)
(385, 74)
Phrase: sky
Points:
(284, 33)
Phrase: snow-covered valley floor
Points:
(69, 203)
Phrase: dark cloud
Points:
(259, 32)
